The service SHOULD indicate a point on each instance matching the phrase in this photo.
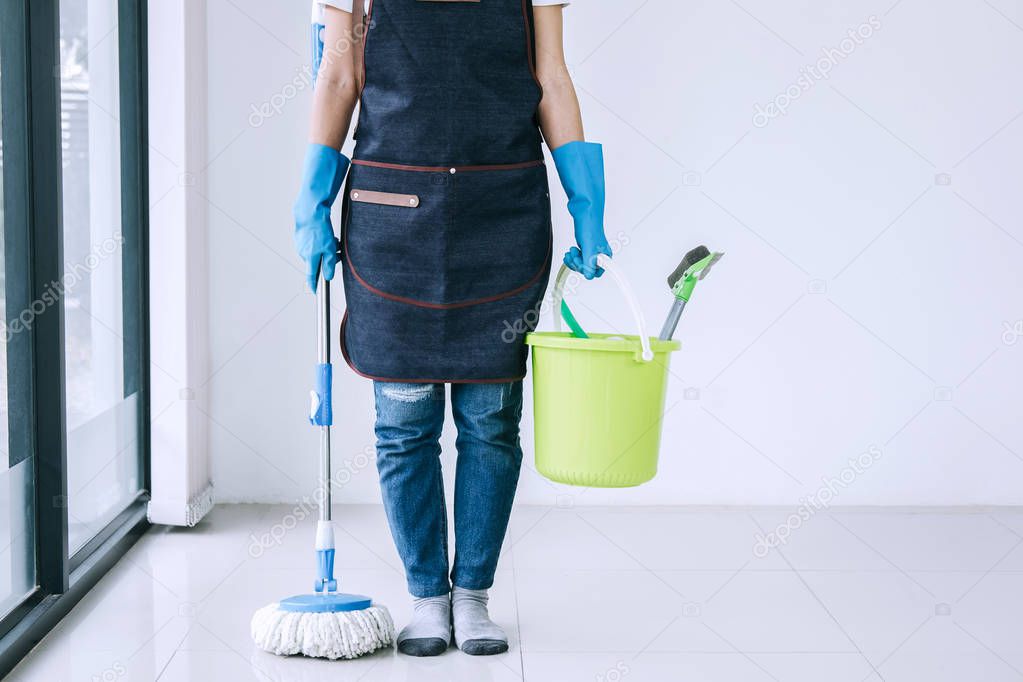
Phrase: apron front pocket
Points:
(470, 237)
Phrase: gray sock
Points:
(429, 631)
(475, 633)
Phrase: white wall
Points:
(861, 302)
(179, 263)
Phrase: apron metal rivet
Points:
(452, 171)
(355, 195)
(412, 201)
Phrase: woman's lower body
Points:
(409, 419)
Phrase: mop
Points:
(326, 623)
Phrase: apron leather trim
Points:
(368, 196)
(448, 169)
(544, 267)
(363, 19)
(348, 361)
(530, 46)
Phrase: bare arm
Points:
(560, 120)
(336, 88)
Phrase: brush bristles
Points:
(694, 256)
(343, 634)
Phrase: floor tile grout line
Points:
(657, 636)
(988, 648)
(988, 572)
(820, 601)
(878, 552)
(744, 654)
(177, 648)
(991, 515)
(518, 618)
(629, 554)
(894, 651)
(701, 652)
(804, 570)
(261, 512)
(233, 650)
(725, 584)
(163, 671)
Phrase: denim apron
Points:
(446, 238)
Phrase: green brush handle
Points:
(684, 285)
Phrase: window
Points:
(102, 435)
(74, 354)
(17, 557)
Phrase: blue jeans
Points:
(408, 427)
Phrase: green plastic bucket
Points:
(598, 402)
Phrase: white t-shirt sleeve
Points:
(346, 5)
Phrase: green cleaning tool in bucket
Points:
(598, 400)
(695, 266)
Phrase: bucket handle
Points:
(623, 284)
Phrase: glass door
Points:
(17, 489)
(103, 454)
(73, 290)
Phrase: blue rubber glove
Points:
(315, 242)
(581, 169)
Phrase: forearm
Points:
(332, 113)
(337, 91)
(560, 119)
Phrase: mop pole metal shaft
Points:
(323, 355)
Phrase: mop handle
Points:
(323, 417)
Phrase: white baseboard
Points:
(174, 513)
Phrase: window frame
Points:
(31, 110)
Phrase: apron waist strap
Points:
(449, 169)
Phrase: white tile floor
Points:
(586, 594)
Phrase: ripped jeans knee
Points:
(409, 393)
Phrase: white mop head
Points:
(343, 634)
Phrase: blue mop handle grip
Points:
(317, 49)
(322, 414)
(316, 38)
